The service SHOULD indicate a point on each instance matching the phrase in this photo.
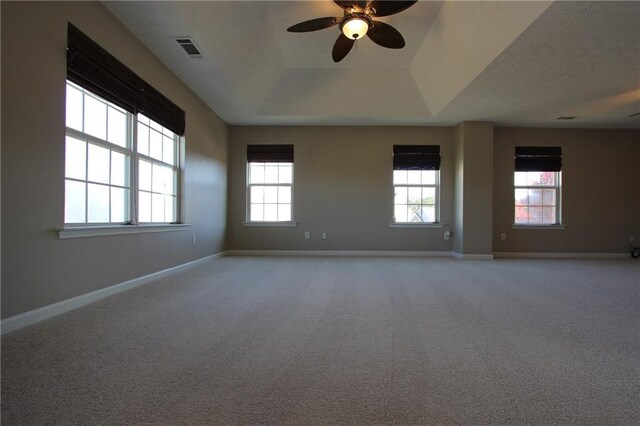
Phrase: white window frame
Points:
(436, 186)
(248, 221)
(558, 190)
(90, 229)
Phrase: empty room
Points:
(320, 212)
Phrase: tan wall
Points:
(600, 191)
(342, 186)
(37, 267)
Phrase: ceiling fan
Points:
(358, 21)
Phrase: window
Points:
(122, 141)
(269, 183)
(537, 184)
(416, 182)
(102, 150)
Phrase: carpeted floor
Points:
(341, 340)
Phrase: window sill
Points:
(269, 223)
(99, 231)
(522, 226)
(417, 225)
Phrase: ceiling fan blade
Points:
(351, 4)
(342, 46)
(313, 25)
(385, 35)
(385, 8)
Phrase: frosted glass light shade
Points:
(355, 28)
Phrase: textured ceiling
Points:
(513, 63)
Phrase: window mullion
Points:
(133, 168)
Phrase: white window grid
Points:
(557, 204)
(132, 160)
(417, 206)
(278, 185)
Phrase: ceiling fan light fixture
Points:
(355, 28)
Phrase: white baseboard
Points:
(31, 317)
(542, 255)
(337, 253)
(472, 256)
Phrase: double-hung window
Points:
(269, 183)
(537, 185)
(122, 148)
(416, 183)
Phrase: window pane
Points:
(143, 139)
(427, 214)
(169, 208)
(74, 108)
(400, 213)
(414, 213)
(429, 196)
(257, 194)
(548, 178)
(286, 173)
(520, 178)
(270, 194)
(118, 168)
(169, 181)
(95, 117)
(97, 203)
(144, 175)
(117, 127)
(256, 172)
(428, 177)
(98, 167)
(271, 212)
(271, 173)
(549, 197)
(155, 145)
(535, 215)
(168, 150)
(548, 215)
(284, 212)
(256, 213)
(143, 119)
(75, 158)
(414, 177)
(401, 194)
(535, 197)
(284, 195)
(157, 208)
(119, 203)
(155, 126)
(158, 179)
(144, 206)
(522, 198)
(399, 177)
(522, 214)
(415, 195)
(74, 202)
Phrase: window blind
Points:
(416, 157)
(96, 70)
(270, 153)
(538, 159)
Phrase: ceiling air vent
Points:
(565, 117)
(189, 46)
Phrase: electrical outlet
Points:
(503, 236)
(193, 239)
(447, 235)
(632, 239)
(324, 235)
(307, 235)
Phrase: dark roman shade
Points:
(416, 157)
(538, 158)
(96, 70)
(270, 153)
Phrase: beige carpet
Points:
(342, 340)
